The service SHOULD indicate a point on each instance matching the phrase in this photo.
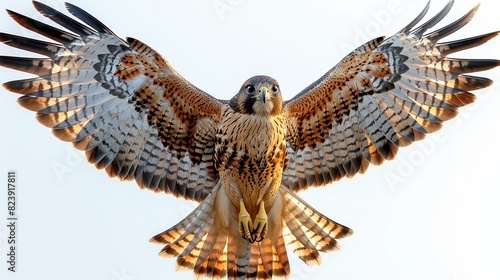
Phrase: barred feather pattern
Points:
(204, 243)
(119, 101)
(384, 95)
(137, 118)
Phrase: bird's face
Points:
(258, 95)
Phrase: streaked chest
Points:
(248, 141)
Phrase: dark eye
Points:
(275, 88)
(250, 89)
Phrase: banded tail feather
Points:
(202, 243)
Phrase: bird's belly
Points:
(260, 184)
(250, 155)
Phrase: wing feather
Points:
(384, 95)
(119, 101)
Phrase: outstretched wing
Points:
(384, 95)
(120, 101)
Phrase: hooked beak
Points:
(262, 94)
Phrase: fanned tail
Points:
(259, 260)
(199, 241)
(309, 232)
(208, 242)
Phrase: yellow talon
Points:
(245, 222)
(260, 224)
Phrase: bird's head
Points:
(258, 95)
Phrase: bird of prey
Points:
(245, 158)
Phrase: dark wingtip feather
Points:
(14, 86)
(41, 8)
(472, 65)
(456, 25)
(62, 19)
(419, 31)
(42, 28)
(455, 46)
(88, 19)
(32, 45)
(36, 66)
(3, 37)
(5, 85)
(468, 83)
(417, 19)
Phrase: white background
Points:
(432, 213)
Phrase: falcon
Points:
(245, 158)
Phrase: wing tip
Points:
(38, 6)
(6, 86)
(417, 19)
(88, 19)
(3, 36)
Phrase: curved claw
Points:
(259, 232)
(260, 224)
(245, 223)
(256, 231)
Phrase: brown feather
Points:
(382, 96)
